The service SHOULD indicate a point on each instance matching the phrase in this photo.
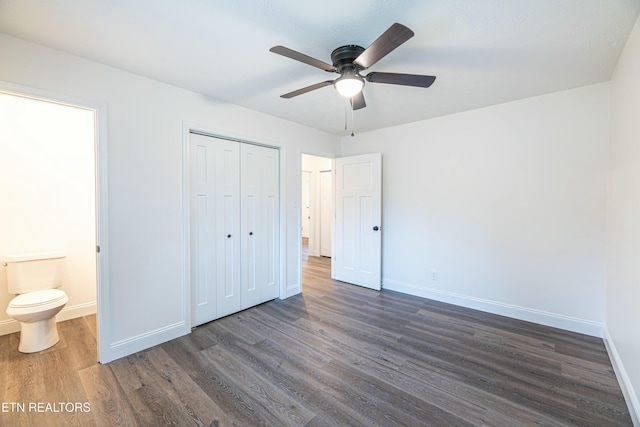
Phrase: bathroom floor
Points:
(30, 398)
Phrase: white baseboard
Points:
(118, 349)
(555, 320)
(75, 311)
(144, 341)
(630, 396)
(9, 326)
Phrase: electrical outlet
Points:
(434, 275)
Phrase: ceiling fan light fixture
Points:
(349, 85)
(350, 60)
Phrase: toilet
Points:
(34, 278)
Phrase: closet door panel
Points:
(228, 239)
(202, 220)
(259, 190)
(249, 207)
(270, 211)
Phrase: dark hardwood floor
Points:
(337, 355)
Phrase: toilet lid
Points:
(31, 299)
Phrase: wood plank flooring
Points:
(337, 355)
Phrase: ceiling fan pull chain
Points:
(353, 124)
(346, 101)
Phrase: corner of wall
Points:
(628, 391)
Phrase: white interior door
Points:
(358, 215)
(215, 241)
(306, 202)
(260, 223)
(326, 209)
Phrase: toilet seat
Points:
(37, 298)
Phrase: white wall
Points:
(47, 195)
(506, 203)
(623, 250)
(146, 248)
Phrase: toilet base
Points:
(38, 336)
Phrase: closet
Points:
(234, 226)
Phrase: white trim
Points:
(49, 96)
(101, 202)
(573, 324)
(9, 326)
(296, 288)
(103, 309)
(186, 229)
(630, 396)
(78, 310)
(147, 340)
(282, 292)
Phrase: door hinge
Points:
(97, 249)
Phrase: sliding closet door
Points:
(259, 168)
(215, 228)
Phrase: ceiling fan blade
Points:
(285, 51)
(401, 79)
(306, 89)
(388, 41)
(357, 101)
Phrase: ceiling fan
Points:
(350, 60)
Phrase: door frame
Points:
(322, 218)
(205, 130)
(299, 155)
(101, 200)
(333, 157)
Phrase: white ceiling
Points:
(483, 52)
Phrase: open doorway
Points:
(356, 219)
(317, 209)
(49, 175)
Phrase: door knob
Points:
(251, 233)
(228, 236)
(376, 228)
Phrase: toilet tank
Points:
(35, 271)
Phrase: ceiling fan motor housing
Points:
(343, 57)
